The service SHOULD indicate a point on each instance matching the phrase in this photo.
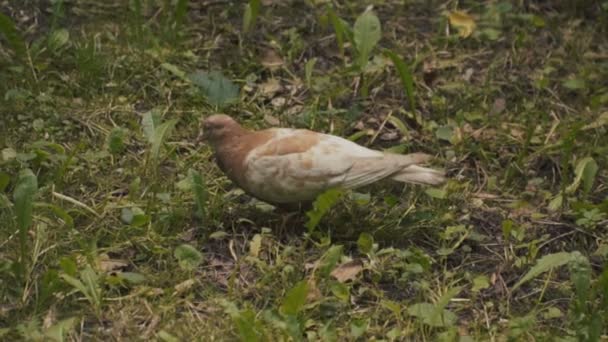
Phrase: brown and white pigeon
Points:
(285, 165)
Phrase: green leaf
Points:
(68, 266)
(77, 284)
(59, 330)
(131, 277)
(188, 257)
(443, 301)
(436, 193)
(366, 34)
(399, 125)
(5, 179)
(322, 204)
(218, 89)
(407, 80)
(580, 275)
(330, 259)
(585, 171)
(149, 122)
(90, 279)
(246, 325)
(23, 196)
(426, 312)
(358, 328)
(308, 69)
(167, 337)
(199, 189)
(480, 282)
(574, 83)
(251, 14)
(556, 203)
(175, 70)
(12, 35)
(341, 29)
(365, 243)
(295, 299)
(62, 214)
(181, 9)
(160, 134)
(58, 39)
(543, 265)
(445, 133)
(88, 285)
(393, 307)
(340, 291)
(116, 140)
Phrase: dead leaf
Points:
(468, 74)
(310, 266)
(599, 122)
(389, 136)
(278, 102)
(498, 106)
(463, 22)
(49, 319)
(270, 87)
(313, 291)
(255, 246)
(272, 60)
(347, 271)
(271, 120)
(153, 292)
(184, 286)
(105, 264)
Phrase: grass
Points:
(126, 229)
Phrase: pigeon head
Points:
(219, 127)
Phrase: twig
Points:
(76, 203)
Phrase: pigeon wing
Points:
(297, 165)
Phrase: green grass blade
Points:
(12, 35)
(407, 80)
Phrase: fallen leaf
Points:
(463, 22)
(183, 286)
(468, 74)
(498, 106)
(272, 60)
(313, 291)
(105, 264)
(255, 246)
(270, 87)
(278, 102)
(347, 271)
(310, 266)
(599, 122)
(271, 120)
(389, 136)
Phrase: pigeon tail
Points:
(420, 175)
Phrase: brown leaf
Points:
(278, 102)
(272, 60)
(498, 106)
(105, 264)
(389, 136)
(463, 22)
(271, 120)
(347, 271)
(184, 286)
(313, 291)
(270, 87)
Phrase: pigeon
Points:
(287, 165)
